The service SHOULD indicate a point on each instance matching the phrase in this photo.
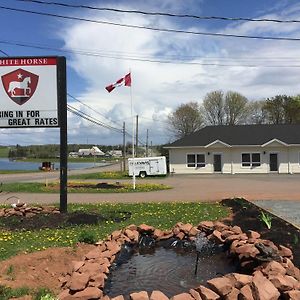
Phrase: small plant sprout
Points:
(267, 219)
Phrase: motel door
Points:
(273, 162)
(217, 163)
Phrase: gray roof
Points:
(240, 135)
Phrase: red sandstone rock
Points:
(206, 225)
(216, 236)
(183, 296)
(263, 288)
(131, 227)
(116, 234)
(195, 294)
(95, 253)
(207, 294)
(186, 228)
(220, 226)
(78, 281)
(239, 280)
(90, 268)
(226, 233)
(282, 282)
(240, 237)
(220, 285)
(246, 293)
(118, 298)
(88, 293)
(236, 229)
(145, 228)
(132, 234)
(180, 235)
(273, 268)
(194, 231)
(76, 265)
(285, 252)
(113, 246)
(139, 296)
(253, 234)
(158, 295)
(233, 295)
(165, 236)
(292, 295)
(158, 233)
(290, 268)
(247, 250)
(97, 280)
(64, 295)
(105, 298)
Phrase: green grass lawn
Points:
(4, 151)
(160, 215)
(81, 187)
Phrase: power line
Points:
(97, 112)
(153, 28)
(21, 44)
(160, 13)
(4, 52)
(91, 119)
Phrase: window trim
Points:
(196, 161)
(251, 166)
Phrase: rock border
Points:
(273, 275)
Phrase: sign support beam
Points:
(62, 94)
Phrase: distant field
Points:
(4, 151)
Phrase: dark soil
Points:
(247, 215)
(61, 220)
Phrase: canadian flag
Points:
(124, 81)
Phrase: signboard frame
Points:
(61, 113)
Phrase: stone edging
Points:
(273, 275)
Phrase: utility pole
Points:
(137, 136)
(124, 148)
(147, 145)
(151, 148)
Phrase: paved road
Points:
(189, 188)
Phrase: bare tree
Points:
(186, 119)
(213, 108)
(235, 108)
(257, 113)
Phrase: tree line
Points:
(52, 150)
(232, 108)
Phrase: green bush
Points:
(87, 237)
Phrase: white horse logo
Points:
(22, 85)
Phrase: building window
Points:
(251, 160)
(196, 160)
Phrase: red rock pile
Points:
(22, 210)
(273, 275)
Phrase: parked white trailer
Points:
(147, 166)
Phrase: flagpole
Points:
(132, 117)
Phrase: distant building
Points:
(94, 151)
(115, 153)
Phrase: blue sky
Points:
(158, 88)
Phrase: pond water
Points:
(168, 270)
(6, 164)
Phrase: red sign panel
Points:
(20, 85)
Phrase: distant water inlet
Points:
(6, 164)
(168, 267)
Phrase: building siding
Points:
(231, 162)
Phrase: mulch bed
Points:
(247, 215)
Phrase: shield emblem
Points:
(20, 85)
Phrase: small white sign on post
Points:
(28, 92)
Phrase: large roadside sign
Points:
(33, 93)
(29, 92)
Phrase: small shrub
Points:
(48, 297)
(41, 293)
(87, 237)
